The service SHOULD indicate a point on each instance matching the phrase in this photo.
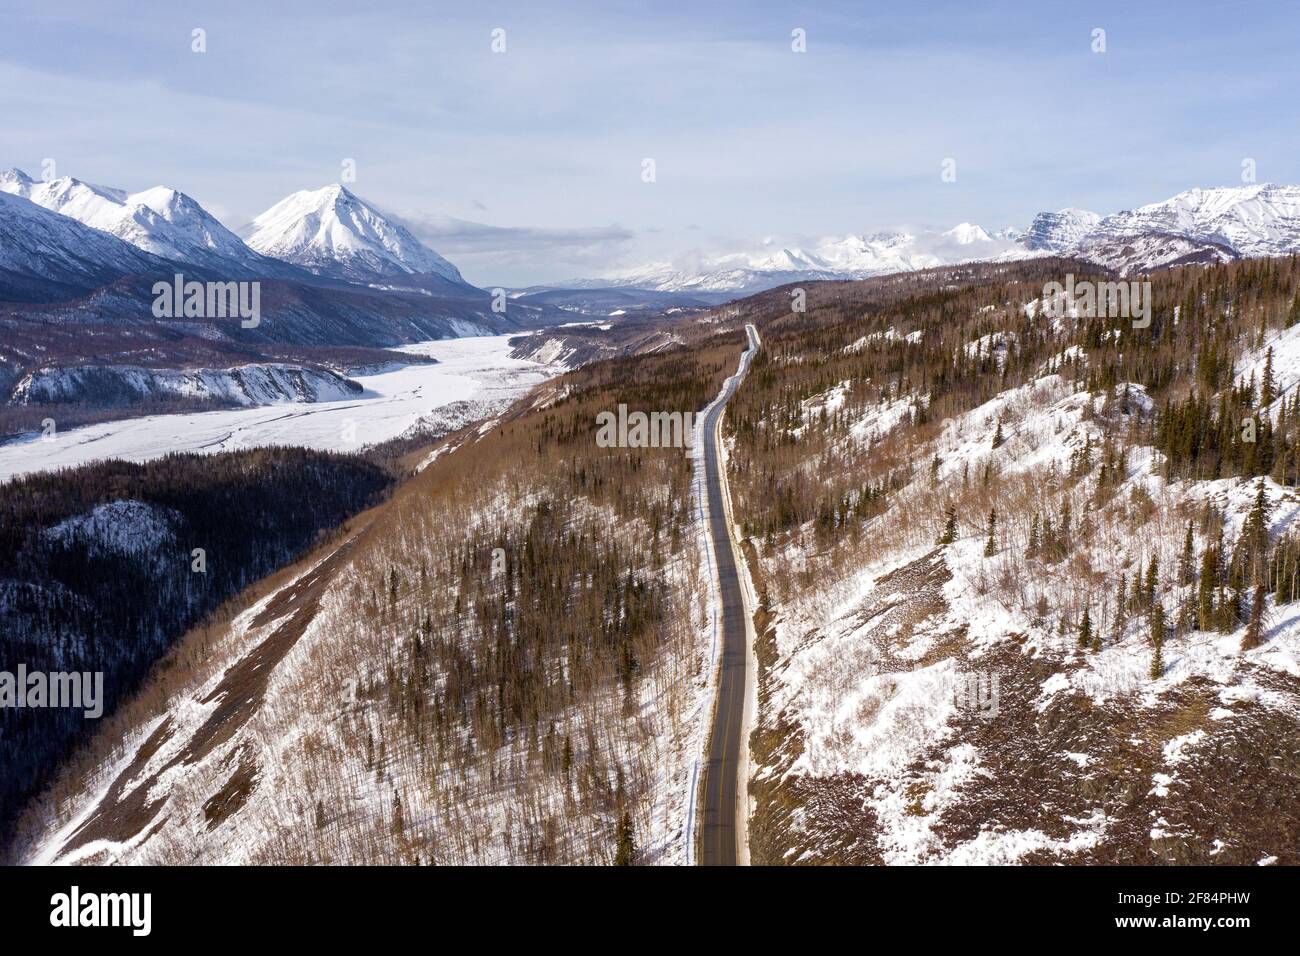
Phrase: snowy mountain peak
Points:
(14, 180)
(167, 202)
(65, 195)
(1253, 220)
(835, 257)
(48, 257)
(965, 233)
(332, 231)
(1060, 230)
(884, 239)
(160, 220)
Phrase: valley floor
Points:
(478, 369)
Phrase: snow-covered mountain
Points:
(1257, 220)
(836, 257)
(1144, 251)
(329, 232)
(1061, 230)
(332, 232)
(45, 256)
(160, 220)
(338, 236)
(1199, 225)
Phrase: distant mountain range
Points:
(332, 236)
(833, 258)
(326, 233)
(338, 272)
(1199, 225)
(160, 221)
(338, 280)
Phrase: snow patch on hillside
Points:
(128, 528)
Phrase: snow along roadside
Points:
(700, 492)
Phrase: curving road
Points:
(719, 833)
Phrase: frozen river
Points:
(479, 369)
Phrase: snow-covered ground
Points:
(119, 527)
(875, 661)
(394, 400)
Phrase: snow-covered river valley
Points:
(478, 369)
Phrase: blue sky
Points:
(526, 166)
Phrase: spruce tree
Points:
(1267, 387)
(1157, 639)
(399, 825)
(949, 534)
(625, 852)
(1186, 617)
(1085, 629)
(1205, 607)
(1157, 623)
(1254, 635)
(1187, 566)
(991, 546)
(1253, 545)
(1225, 615)
(1121, 607)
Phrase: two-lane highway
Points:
(723, 818)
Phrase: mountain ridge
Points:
(161, 221)
(330, 235)
(47, 257)
(1196, 225)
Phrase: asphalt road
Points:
(719, 834)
